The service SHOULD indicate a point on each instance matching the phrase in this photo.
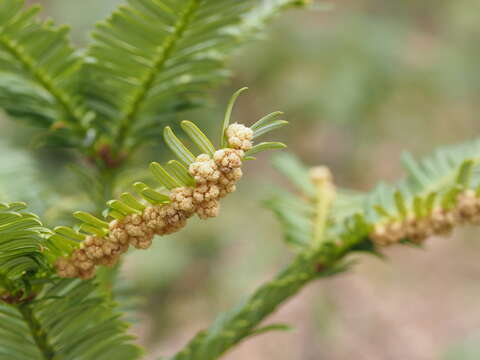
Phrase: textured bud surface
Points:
(239, 137)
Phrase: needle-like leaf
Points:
(228, 116)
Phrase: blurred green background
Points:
(359, 83)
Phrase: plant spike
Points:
(195, 190)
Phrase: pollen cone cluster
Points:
(439, 222)
(215, 177)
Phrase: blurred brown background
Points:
(359, 83)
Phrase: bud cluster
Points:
(438, 222)
(214, 179)
(239, 137)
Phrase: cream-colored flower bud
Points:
(135, 219)
(227, 189)
(150, 213)
(202, 158)
(205, 192)
(204, 169)
(417, 230)
(396, 231)
(135, 230)
(93, 247)
(109, 248)
(114, 224)
(79, 256)
(172, 219)
(208, 209)
(182, 199)
(228, 159)
(467, 206)
(153, 219)
(239, 136)
(65, 268)
(442, 221)
(81, 260)
(141, 242)
(379, 235)
(117, 232)
(230, 178)
(320, 175)
(235, 175)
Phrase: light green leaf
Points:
(228, 116)
(265, 120)
(181, 172)
(163, 177)
(274, 125)
(69, 233)
(131, 201)
(151, 195)
(265, 146)
(37, 58)
(198, 137)
(180, 151)
(93, 230)
(90, 219)
(122, 207)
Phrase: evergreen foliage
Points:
(40, 70)
(148, 62)
(67, 319)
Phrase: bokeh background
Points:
(360, 83)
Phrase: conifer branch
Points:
(191, 185)
(155, 68)
(44, 80)
(242, 322)
(40, 53)
(36, 331)
(457, 202)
